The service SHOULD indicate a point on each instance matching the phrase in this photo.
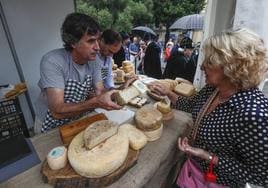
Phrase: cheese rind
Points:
(99, 131)
(100, 161)
(57, 158)
(155, 134)
(148, 118)
(137, 138)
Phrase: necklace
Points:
(223, 99)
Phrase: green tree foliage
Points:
(121, 15)
(168, 11)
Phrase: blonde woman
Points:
(233, 127)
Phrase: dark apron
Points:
(74, 92)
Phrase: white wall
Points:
(219, 16)
(35, 29)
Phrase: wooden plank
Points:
(67, 177)
(68, 131)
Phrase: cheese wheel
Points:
(163, 106)
(126, 63)
(57, 158)
(122, 97)
(184, 89)
(155, 134)
(148, 118)
(99, 131)
(137, 138)
(101, 160)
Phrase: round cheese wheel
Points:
(57, 158)
(155, 134)
(100, 161)
(148, 118)
(137, 138)
(126, 63)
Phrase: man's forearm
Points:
(67, 110)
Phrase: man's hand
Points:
(105, 101)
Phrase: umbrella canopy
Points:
(190, 22)
(142, 31)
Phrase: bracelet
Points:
(212, 158)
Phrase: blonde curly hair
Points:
(242, 55)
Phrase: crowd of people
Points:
(230, 112)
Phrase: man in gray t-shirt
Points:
(71, 82)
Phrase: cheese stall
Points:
(107, 150)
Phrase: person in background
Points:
(233, 112)
(134, 49)
(110, 43)
(152, 61)
(184, 64)
(123, 53)
(167, 51)
(176, 47)
(70, 82)
(141, 56)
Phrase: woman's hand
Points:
(183, 144)
(159, 89)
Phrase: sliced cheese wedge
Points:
(137, 138)
(99, 131)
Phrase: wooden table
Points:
(154, 162)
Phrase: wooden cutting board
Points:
(68, 178)
(68, 131)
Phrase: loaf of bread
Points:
(124, 96)
(98, 132)
(148, 118)
(100, 161)
(184, 89)
(137, 138)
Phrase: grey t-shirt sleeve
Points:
(52, 73)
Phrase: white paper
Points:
(140, 86)
(118, 116)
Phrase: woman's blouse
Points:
(237, 132)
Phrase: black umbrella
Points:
(190, 22)
(142, 31)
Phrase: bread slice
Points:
(124, 96)
(185, 89)
(98, 132)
